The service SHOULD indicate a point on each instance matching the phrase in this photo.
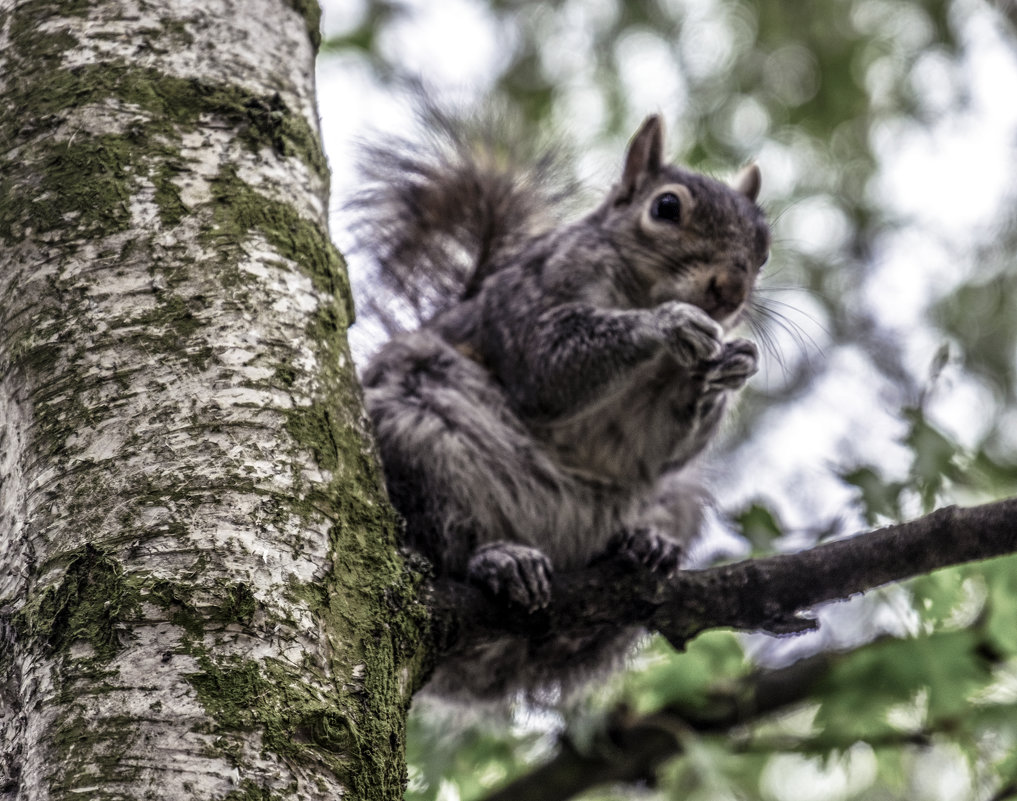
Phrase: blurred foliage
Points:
(828, 95)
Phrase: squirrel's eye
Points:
(666, 207)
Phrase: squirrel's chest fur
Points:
(628, 436)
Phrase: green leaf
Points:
(708, 770)
(980, 316)
(463, 753)
(880, 499)
(1001, 605)
(759, 526)
(934, 457)
(1006, 769)
(995, 475)
(712, 660)
(951, 596)
(940, 672)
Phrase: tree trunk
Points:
(199, 593)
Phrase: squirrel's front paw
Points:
(518, 572)
(690, 334)
(738, 362)
(648, 547)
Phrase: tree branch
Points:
(770, 594)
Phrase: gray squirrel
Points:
(551, 411)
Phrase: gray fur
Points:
(554, 412)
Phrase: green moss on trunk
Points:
(88, 605)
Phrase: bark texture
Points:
(194, 598)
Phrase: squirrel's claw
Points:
(517, 572)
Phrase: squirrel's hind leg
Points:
(481, 499)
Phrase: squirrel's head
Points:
(683, 236)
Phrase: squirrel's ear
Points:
(748, 181)
(644, 157)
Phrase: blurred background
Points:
(886, 132)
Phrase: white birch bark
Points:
(198, 597)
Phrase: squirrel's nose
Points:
(725, 293)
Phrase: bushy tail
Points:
(439, 214)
